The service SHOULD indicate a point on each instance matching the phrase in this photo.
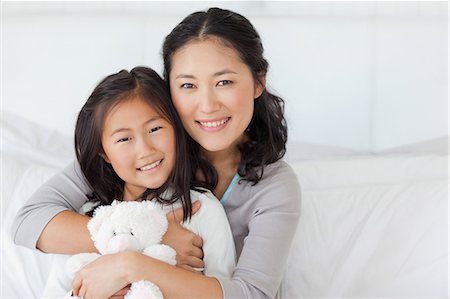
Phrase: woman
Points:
(216, 72)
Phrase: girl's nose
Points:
(145, 147)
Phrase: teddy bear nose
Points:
(121, 242)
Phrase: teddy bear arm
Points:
(78, 261)
(162, 252)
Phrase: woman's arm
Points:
(263, 216)
(54, 238)
(264, 219)
(48, 222)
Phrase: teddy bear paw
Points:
(144, 290)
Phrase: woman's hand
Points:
(187, 244)
(104, 277)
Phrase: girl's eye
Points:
(224, 82)
(125, 139)
(154, 129)
(187, 85)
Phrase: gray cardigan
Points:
(263, 220)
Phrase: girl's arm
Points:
(211, 223)
(110, 273)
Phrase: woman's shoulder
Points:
(278, 185)
(277, 173)
(278, 168)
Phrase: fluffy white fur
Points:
(128, 226)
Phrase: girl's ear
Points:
(105, 157)
(260, 85)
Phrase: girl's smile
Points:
(140, 146)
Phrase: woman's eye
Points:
(187, 85)
(125, 139)
(155, 129)
(224, 82)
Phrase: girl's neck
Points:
(131, 194)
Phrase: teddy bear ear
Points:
(156, 213)
(100, 214)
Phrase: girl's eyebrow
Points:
(216, 74)
(152, 119)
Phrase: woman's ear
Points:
(260, 85)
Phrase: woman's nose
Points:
(208, 101)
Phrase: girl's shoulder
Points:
(203, 195)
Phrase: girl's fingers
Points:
(82, 293)
(76, 285)
(197, 251)
(193, 262)
(177, 214)
(198, 242)
(190, 269)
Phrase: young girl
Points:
(130, 145)
(216, 71)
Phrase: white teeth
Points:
(150, 166)
(212, 124)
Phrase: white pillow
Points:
(32, 142)
(371, 227)
(24, 271)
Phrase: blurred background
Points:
(365, 76)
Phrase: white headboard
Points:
(359, 75)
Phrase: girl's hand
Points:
(187, 244)
(120, 294)
(102, 278)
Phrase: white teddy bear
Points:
(128, 226)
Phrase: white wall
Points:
(362, 75)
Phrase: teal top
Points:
(230, 187)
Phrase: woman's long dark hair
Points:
(144, 84)
(267, 130)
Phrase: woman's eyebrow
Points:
(216, 74)
(223, 72)
(185, 76)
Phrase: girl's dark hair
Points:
(267, 130)
(144, 84)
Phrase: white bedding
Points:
(371, 226)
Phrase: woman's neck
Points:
(226, 163)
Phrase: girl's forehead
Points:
(133, 105)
